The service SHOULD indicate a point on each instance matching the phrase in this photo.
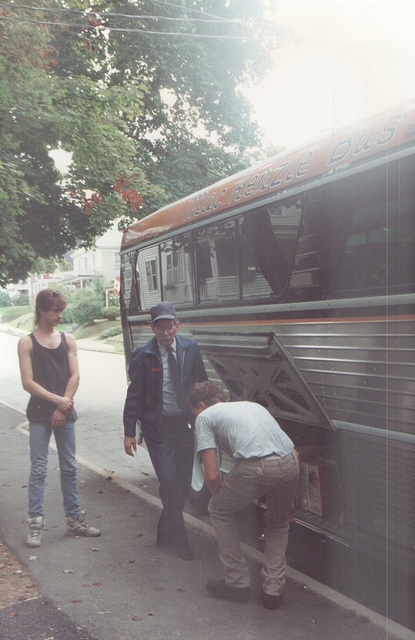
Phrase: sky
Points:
(348, 59)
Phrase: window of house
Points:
(216, 262)
(268, 238)
(148, 275)
(127, 262)
(176, 269)
(172, 269)
(151, 272)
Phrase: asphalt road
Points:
(121, 586)
(99, 404)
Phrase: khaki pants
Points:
(250, 479)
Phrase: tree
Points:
(195, 125)
(141, 96)
(84, 305)
(86, 311)
(5, 300)
(41, 215)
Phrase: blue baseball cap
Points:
(163, 311)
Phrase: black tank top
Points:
(51, 371)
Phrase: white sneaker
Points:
(78, 527)
(34, 537)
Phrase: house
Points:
(102, 260)
(86, 264)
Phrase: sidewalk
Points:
(111, 345)
(121, 586)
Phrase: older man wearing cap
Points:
(161, 374)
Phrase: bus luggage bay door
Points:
(257, 367)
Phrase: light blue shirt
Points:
(170, 405)
(241, 429)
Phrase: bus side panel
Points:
(361, 371)
(379, 482)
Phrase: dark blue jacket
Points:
(144, 400)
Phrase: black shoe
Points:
(164, 540)
(219, 589)
(269, 601)
(185, 553)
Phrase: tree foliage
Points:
(84, 305)
(86, 311)
(147, 106)
(195, 124)
(5, 300)
(42, 216)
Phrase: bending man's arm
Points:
(211, 470)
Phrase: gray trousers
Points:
(250, 479)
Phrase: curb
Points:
(334, 597)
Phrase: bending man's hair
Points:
(207, 392)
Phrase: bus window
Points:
(342, 243)
(365, 252)
(130, 291)
(126, 278)
(135, 287)
(216, 263)
(316, 241)
(377, 249)
(149, 268)
(401, 241)
(267, 242)
(176, 270)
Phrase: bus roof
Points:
(357, 143)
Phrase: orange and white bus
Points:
(297, 279)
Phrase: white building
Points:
(102, 260)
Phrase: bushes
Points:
(110, 313)
(86, 310)
(22, 300)
(5, 300)
(84, 305)
(110, 333)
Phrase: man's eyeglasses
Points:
(160, 328)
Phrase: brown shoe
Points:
(219, 589)
(269, 601)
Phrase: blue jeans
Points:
(40, 434)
